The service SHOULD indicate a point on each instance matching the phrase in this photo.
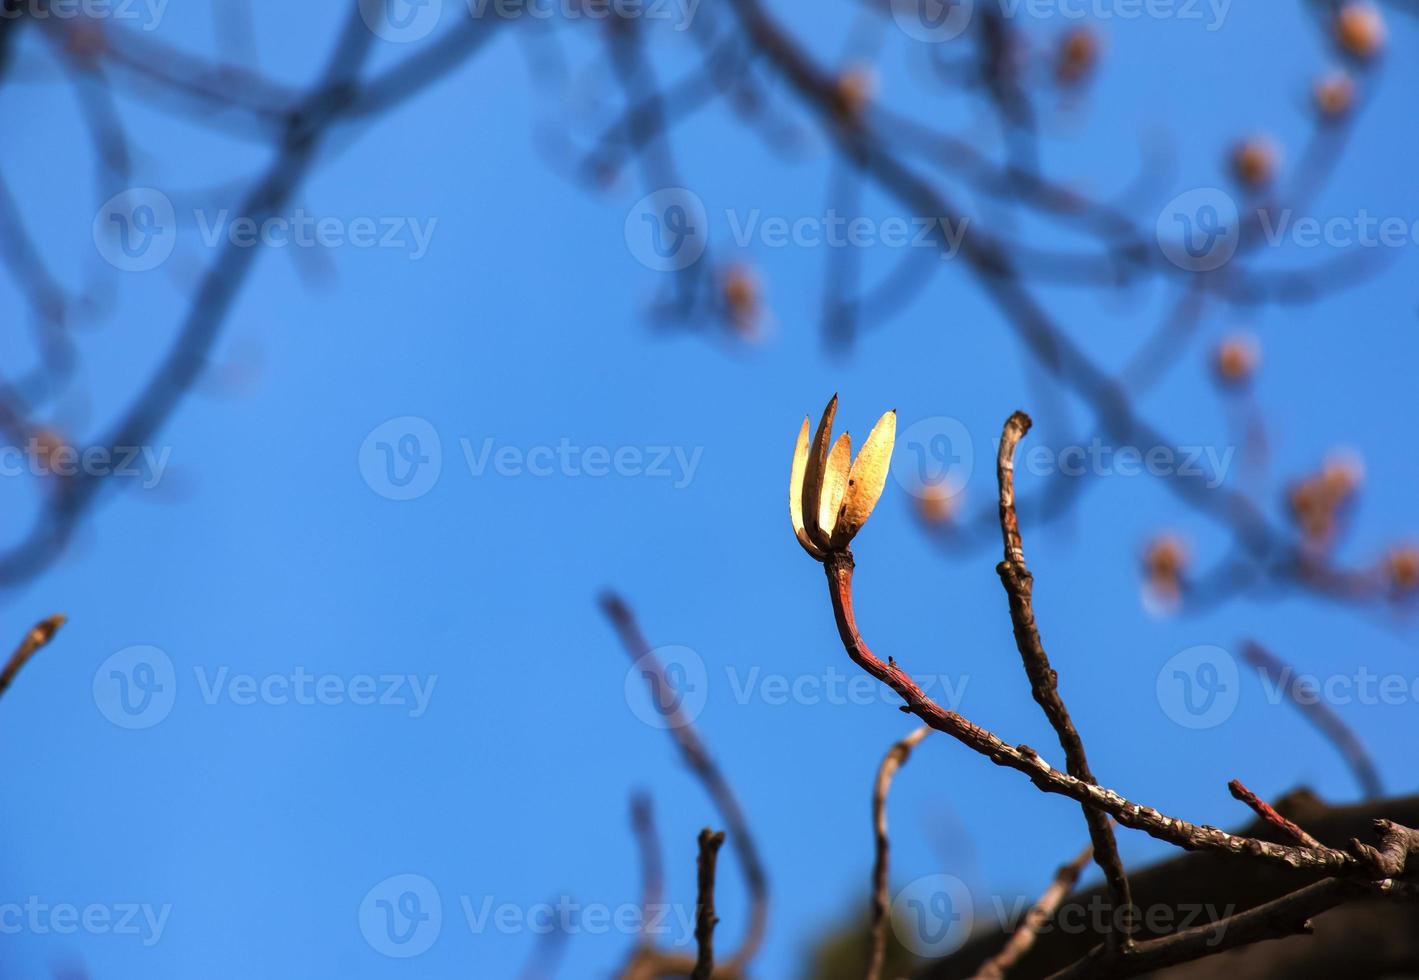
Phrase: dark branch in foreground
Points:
(705, 919)
(1369, 936)
(1044, 682)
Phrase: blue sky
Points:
(271, 548)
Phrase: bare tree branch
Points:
(1044, 682)
(705, 919)
(703, 766)
(1268, 813)
(1023, 938)
(895, 758)
(33, 642)
(1309, 702)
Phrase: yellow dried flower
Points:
(830, 495)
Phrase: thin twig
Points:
(1023, 938)
(895, 758)
(652, 868)
(1309, 703)
(1267, 812)
(705, 919)
(546, 954)
(1044, 683)
(703, 766)
(34, 640)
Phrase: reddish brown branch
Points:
(1268, 813)
(1309, 703)
(1023, 939)
(1044, 683)
(33, 642)
(705, 919)
(895, 758)
(1023, 759)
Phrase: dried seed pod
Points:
(1360, 30)
(1334, 95)
(1254, 161)
(1236, 359)
(1076, 57)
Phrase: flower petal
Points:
(817, 464)
(834, 486)
(866, 480)
(795, 491)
